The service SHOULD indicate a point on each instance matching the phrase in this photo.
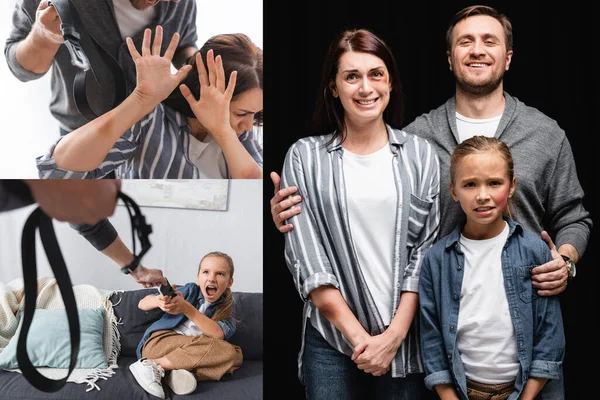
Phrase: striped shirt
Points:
(156, 147)
(320, 251)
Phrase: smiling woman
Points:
(361, 171)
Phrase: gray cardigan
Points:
(99, 19)
(548, 194)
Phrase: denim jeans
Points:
(330, 375)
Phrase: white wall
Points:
(28, 128)
(179, 240)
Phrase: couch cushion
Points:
(248, 312)
(49, 340)
(133, 321)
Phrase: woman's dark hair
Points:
(329, 113)
(239, 54)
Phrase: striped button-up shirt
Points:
(156, 147)
(320, 251)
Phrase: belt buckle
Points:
(78, 57)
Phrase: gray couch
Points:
(244, 383)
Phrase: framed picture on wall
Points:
(200, 194)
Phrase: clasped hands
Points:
(374, 354)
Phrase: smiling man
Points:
(35, 45)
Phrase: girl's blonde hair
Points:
(482, 144)
(225, 309)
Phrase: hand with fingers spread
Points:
(282, 207)
(155, 82)
(212, 108)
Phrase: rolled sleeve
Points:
(317, 280)
(228, 326)
(100, 235)
(546, 369)
(438, 378)
(122, 151)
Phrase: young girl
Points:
(161, 131)
(371, 210)
(190, 339)
(484, 330)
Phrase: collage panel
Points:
(167, 288)
(377, 94)
(123, 95)
(140, 132)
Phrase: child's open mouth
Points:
(211, 290)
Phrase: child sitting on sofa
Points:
(190, 340)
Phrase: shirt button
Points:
(451, 328)
(459, 267)
(455, 297)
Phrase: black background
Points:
(552, 69)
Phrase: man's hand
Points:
(550, 278)
(148, 277)
(47, 23)
(155, 82)
(76, 201)
(282, 208)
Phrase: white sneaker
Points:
(149, 374)
(181, 381)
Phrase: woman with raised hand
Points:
(213, 137)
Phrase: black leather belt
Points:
(39, 219)
(87, 55)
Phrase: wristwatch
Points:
(570, 266)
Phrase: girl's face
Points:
(363, 86)
(482, 186)
(243, 108)
(214, 277)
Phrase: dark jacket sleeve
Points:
(14, 193)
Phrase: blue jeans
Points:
(331, 375)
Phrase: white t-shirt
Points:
(469, 127)
(189, 328)
(208, 157)
(486, 337)
(131, 20)
(372, 201)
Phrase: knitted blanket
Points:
(86, 296)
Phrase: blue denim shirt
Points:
(537, 320)
(192, 294)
